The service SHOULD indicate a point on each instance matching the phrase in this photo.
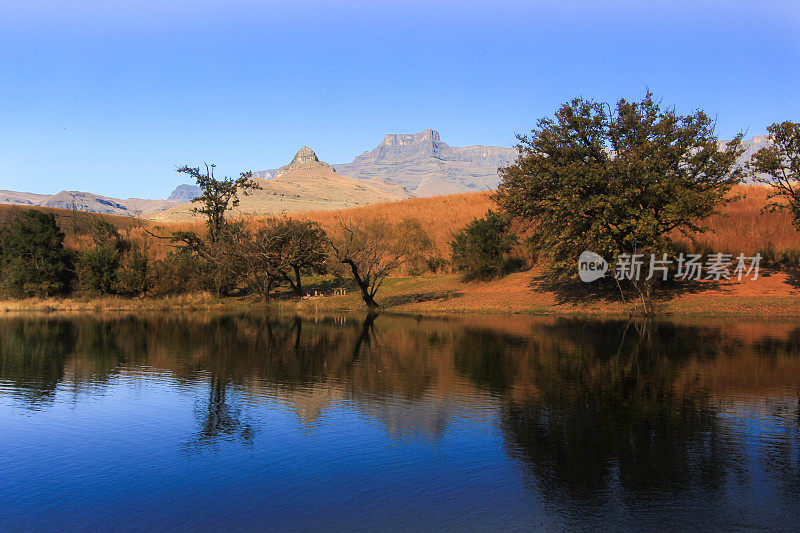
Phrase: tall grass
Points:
(742, 227)
(438, 215)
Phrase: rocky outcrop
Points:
(751, 146)
(402, 139)
(185, 193)
(426, 166)
(304, 156)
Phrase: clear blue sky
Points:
(110, 96)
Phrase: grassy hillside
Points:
(744, 228)
(303, 187)
(76, 224)
(741, 228)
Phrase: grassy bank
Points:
(743, 228)
(774, 294)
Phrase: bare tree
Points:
(371, 249)
(218, 196)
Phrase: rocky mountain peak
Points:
(304, 155)
(400, 139)
(426, 166)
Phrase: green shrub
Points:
(97, 269)
(179, 273)
(479, 249)
(131, 278)
(33, 261)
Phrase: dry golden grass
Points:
(182, 302)
(439, 215)
(743, 227)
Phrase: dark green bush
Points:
(33, 261)
(131, 279)
(479, 249)
(179, 273)
(97, 269)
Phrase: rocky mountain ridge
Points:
(426, 166)
(86, 201)
(402, 165)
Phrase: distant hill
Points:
(427, 166)
(402, 166)
(751, 146)
(85, 201)
(185, 193)
(305, 184)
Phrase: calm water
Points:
(209, 422)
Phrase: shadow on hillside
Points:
(418, 297)
(606, 290)
(576, 292)
(792, 276)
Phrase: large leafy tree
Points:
(779, 167)
(617, 180)
(33, 261)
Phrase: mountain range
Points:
(428, 166)
(401, 166)
(86, 201)
(305, 184)
(425, 165)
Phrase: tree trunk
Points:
(368, 299)
(298, 285)
(364, 286)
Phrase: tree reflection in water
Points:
(607, 417)
(587, 407)
(218, 420)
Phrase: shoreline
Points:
(773, 296)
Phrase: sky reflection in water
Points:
(243, 422)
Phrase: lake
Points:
(244, 422)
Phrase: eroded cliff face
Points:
(427, 166)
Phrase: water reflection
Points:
(592, 411)
(219, 419)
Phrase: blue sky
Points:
(111, 96)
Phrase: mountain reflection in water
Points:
(243, 421)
